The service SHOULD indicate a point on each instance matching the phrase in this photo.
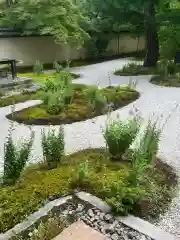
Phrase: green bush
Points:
(57, 67)
(103, 178)
(38, 68)
(53, 147)
(143, 157)
(15, 158)
(119, 136)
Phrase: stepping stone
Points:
(80, 231)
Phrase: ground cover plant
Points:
(65, 102)
(167, 73)
(130, 180)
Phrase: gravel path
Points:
(154, 101)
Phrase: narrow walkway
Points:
(154, 102)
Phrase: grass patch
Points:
(135, 69)
(169, 81)
(43, 77)
(37, 184)
(78, 110)
(6, 101)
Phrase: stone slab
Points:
(146, 228)
(95, 201)
(80, 231)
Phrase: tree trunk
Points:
(151, 35)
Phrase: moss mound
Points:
(42, 77)
(169, 81)
(80, 108)
(135, 70)
(37, 184)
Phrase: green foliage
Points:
(119, 136)
(60, 18)
(167, 67)
(77, 107)
(57, 67)
(53, 147)
(38, 68)
(57, 93)
(144, 155)
(97, 100)
(104, 178)
(15, 158)
(48, 230)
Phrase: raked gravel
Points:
(154, 102)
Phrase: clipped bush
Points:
(15, 158)
(53, 147)
(38, 68)
(119, 136)
(100, 104)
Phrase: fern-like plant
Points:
(53, 147)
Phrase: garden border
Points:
(131, 221)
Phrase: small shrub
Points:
(38, 68)
(15, 158)
(100, 104)
(57, 67)
(82, 176)
(91, 92)
(119, 136)
(48, 230)
(143, 156)
(53, 147)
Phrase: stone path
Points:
(154, 102)
(80, 231)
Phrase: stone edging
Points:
(34, 218)
(133, 222)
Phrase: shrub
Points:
(48, 230)
(15, 158)
(100, 104)
(57, 67)
(143, 157)
(53, 147)
(38, 68)
(119, 136)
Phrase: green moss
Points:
(37, 184)
(43, 77)
(79, 110)
(18, 98)
(135, 69)
(169, 81)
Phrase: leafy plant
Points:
(143, 156)
(57, 67)
(15, 158)
(48, 230)
(100, 104)
(38, 68)
(119, 136)
(53, 147)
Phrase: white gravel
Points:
(154, 102)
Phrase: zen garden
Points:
(90, 147)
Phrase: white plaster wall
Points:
(30, 49)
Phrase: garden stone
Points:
(109, 218)
(90, 213)
(114, 237)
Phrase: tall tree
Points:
(60, 18)
(140, 13)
